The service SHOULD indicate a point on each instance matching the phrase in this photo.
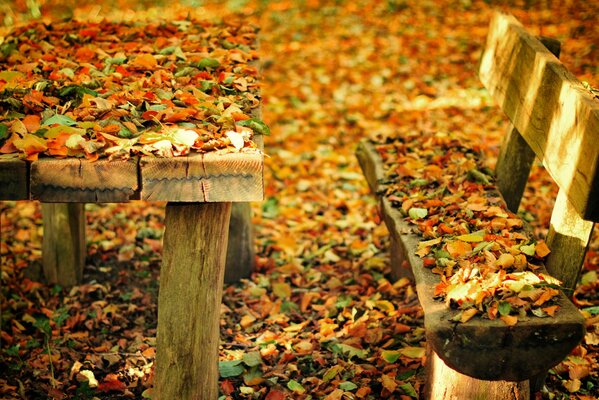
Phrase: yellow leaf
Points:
(282, 290)
(474, 237)
(468, 314)
(389, 383)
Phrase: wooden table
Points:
(199, 189)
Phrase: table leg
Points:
(191, 282)
(240, 251)
(63, 243)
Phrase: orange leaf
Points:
(550, 310)
(541, 249)
(458, 248)
(547, 294)
(32, 122)
(85, 54)
(509, 320)
(146, 61)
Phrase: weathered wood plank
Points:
(445, 383)
(240, 251)
(14, 179)
(211, 177)
(513, 167)
(63, 243)
(515, 156)
(480, 348)
(556, 115)
(76, 180)
(191, 284)
(568, 239)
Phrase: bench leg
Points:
(240, 251)
(444, 383)
(568, 239)
(190, 294)
(63, 243)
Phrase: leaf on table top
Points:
(473, 237)
(59, 119)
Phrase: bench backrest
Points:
(555, 118)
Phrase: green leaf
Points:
(348, 386)
(3, 131)
(186, 71)
(390, 355)
(352, 351)
(43, 324)
(206, 63)
(229, 369)
(482, 246)
(256, 125)
(295, 387)
(76, 90)
(417, 213)
(504, 308)
(528, 250)
(59, 119)
(477, 176)
(592, 310)
(408, 389)
(252, 359)
(332, 373)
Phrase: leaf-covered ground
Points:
(320, 317)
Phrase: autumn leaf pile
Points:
(120, 89)
(320, 318)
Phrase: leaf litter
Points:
(320, 317)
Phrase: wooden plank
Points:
(556, 115)
(191, 284)
(77, 180)
(63, 243)
(568, 239)
(515, 156)
(444, 383)
(211, 177)
(480, 348)
(513, 167)
(14, 179)
(240, 251)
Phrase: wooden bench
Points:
(555, 119)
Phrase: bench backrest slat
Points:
(554, 113)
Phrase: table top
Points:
(95, 112)
(209, 177)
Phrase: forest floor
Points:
(320, 317)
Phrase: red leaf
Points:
(275, 395)
(112, 384)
